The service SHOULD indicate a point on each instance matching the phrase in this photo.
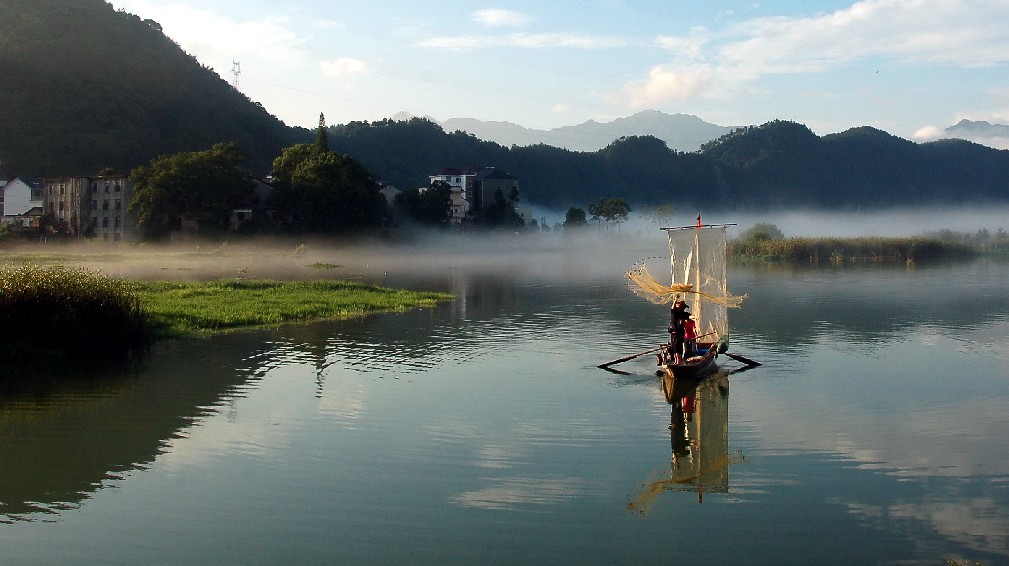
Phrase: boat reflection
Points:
(699, 438)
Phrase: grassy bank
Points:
(841, 250)
(46, 311)
(183, 308)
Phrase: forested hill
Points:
(773, 165)
(86, 87)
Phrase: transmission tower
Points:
(236, 69)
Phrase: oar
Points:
(742, 359)
(628, 358)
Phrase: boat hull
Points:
(691, 369)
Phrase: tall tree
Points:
(574, 217)
(610, 211)
(433, 205)
(321, 136)
(324, 191)
(208, 183)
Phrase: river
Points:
(480, 431)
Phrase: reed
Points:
(841, 250)
(56, 310)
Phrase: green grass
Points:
(182, 308)
(55, 311)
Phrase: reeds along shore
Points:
(839, 250)
(56, 310)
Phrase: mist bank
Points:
(810, 222)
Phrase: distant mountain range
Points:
(681, 132)
(984, 133)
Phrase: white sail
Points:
(697, 261)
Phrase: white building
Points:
(17, 198)
(462, 191)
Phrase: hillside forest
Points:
(99, 89)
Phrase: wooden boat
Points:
(698, 272)
(693, 368)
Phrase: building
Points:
(91, 207)
(17, 200)
(390, 193)
(474, 189)
(462, 183)
(488, 182)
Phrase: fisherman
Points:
(689, 337)
(678, 315)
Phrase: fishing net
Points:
(697, 275)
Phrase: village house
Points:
(21, 203)
(474, 189)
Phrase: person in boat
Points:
(689, 337)
(677, 316)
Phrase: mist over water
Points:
(819, 223)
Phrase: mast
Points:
(697, 269)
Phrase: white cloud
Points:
(217, 40)
(928, 133)
(965, 33)
(668, 83)
(497, 17)
(342, 67)
(528, 41)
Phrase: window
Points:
(105, 222)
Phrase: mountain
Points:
(984, 133)
(681, 132)
(779, 164)
(87, 87)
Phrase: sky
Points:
(909, 67)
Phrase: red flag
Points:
(698, 220)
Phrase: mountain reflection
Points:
(699, 438)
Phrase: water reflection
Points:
(77, 429)
(699, 438)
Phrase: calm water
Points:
(481, 432)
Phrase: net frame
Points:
(698, 274)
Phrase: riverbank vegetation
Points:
(198, 307)
(765, 242)
(47, 310)
(53, 311)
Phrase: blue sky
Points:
(910, 67)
